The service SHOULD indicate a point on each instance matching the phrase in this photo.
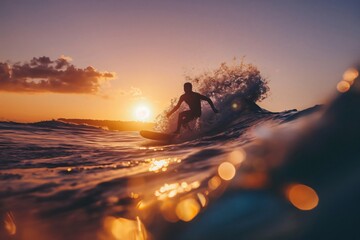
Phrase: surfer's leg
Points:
(184, 118)
(188, 117)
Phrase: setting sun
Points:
(142, 113)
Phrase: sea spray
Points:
(234, 88)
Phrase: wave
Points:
(234, 89)
(50, 124)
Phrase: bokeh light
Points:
(236, 157)
(167, 209)
(350, 75)
(214, 183)
(9, 223)
(343, 86)
(226, 171)
(253, 180)
(202, 199)
(125, 229)
(187, 209)
(302, 197)
(157, 165)
(235, 105)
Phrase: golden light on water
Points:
(226, 171)
(158, 165)
(173, 189)
(350, 75)
(343, 86)
(9, 223)
(302, 197)
(187, 209)
(161, 165)
(125, 229)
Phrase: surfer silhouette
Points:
(193, 100)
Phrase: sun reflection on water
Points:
(157, 165)
(171, 190)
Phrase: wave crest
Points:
(239, 83)
(241, 79)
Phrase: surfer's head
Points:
(187, 87)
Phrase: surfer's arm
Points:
(176, 107)
(205, 98)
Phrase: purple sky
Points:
(302, 47)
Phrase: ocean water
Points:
(237, 175)
(66, 181)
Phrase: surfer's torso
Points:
(193, 100)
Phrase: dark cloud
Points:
(45, 75)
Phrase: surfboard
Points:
(156, 135)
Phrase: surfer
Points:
(193, 100)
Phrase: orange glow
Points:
(167, 209)
(142, 113)
(187, 209)
(171, 190)
(237, 156)
(157, 165)
(134, 195)
(235, 105)
(9, 223)
(144, 204)
(302, 197)
(125, 229)
(253, 180)
(112, 199)
(343, 86)
(226, 171)
(202, 199)
(350, 75)
(214, 183)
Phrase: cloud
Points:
(132, 92)
(135, 92)
(45, 75)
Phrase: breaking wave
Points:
(234, 88)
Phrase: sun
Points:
(142, 113)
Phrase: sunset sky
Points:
(121, 55)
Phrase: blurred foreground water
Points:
(262, 175)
